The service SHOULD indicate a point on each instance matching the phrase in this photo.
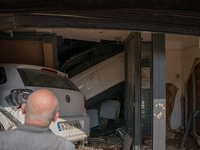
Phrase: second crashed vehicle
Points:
(98, 72)
(18, 81)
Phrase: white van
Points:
(97, 72)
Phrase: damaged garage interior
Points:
(155, 103)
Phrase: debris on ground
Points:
(110, 142)
(118, 139)
(103, 122)
(196, 135)
(108, 131)
(176, 142)
(127, 142)
(146, 140)
(170, 135)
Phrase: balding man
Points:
(41, 108)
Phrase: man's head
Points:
(41, 108)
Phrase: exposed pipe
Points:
(192, 115)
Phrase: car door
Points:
(111, 71)
(84, 76)
(110, 67)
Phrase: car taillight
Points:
(49, 70)
(17, 97)
(84, 102)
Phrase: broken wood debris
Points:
(146, 139)
(196, 135)
(103, 143)
(170, 135)
(109, 142)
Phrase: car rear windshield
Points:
(41, 78)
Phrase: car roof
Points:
(85, 52)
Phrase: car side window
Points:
(79, 65)
(106, 52)
(3, 78)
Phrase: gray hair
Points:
(45, 117)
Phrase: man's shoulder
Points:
(62, 139)
(8, 133)
(42, 136)
(3, 133)
(61, 142)
(46, 140)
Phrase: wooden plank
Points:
(19, 51)
(48, 55)
(130, 19)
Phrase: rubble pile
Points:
(110, 142)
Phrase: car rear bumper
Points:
(73, 134)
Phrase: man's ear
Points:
(55, 116)
(23, 107)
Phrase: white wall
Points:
(180, 54)
(173, 68)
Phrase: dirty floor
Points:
(175, 144)
(112, 140)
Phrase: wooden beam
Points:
(21, 6)
(137, 20)
(48, 55)
(7, 22)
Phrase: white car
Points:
(18, 81)
(97, 72)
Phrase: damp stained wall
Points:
(180, 54)
(27, 52)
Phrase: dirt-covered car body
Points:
(98, 72)
(18, 81)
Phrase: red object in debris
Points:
(168, 104)
(53, 71)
